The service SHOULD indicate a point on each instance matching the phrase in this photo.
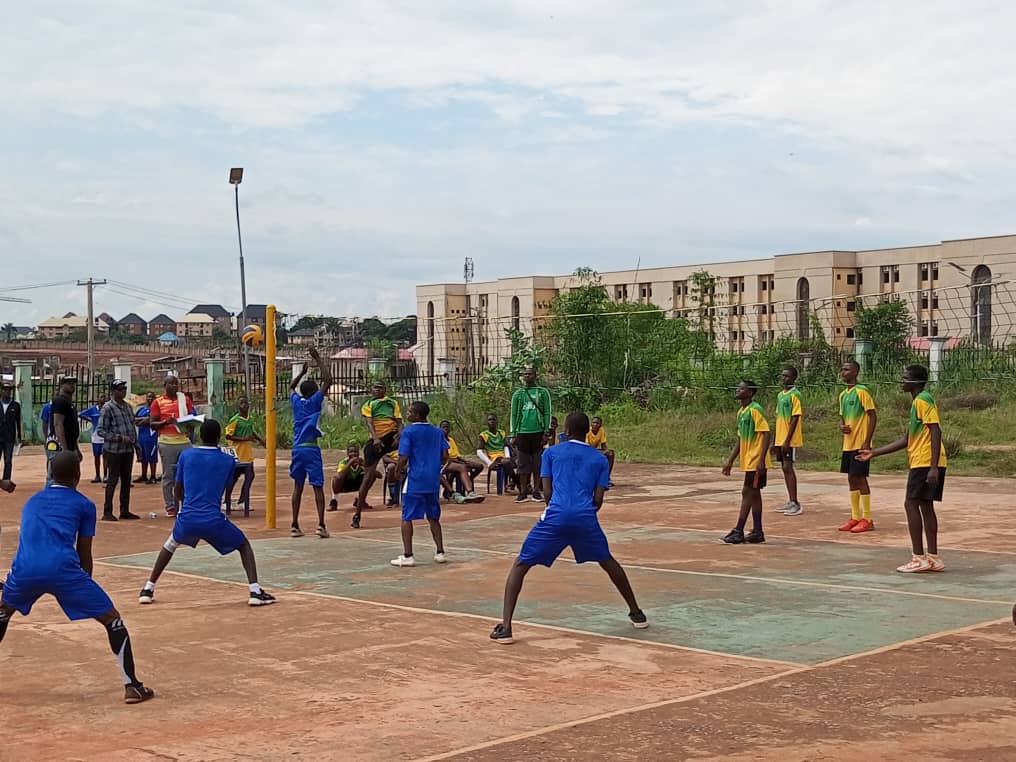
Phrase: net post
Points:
(270, 418)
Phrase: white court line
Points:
(693, 697)
(481, 617)
(720, 575)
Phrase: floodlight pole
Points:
(235, 178)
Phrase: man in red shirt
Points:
(173, 437)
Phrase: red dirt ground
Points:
(319, 677)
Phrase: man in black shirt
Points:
(63, 424)
(10, 426)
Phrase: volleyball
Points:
(252, 335)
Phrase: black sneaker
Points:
(260, 599)
(522, 497)
(502, 635)
(638, 620)
(108, 517)
(135, 694)
(333, 504)
(755, 537)
(733, 537)
(355, 523)
(146, 596)
(537, 497)
(129, 516)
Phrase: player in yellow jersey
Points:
(789, 436)
(383, 418)
(753, 440)
(926, 457)
(857, 424)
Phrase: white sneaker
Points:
(793, 509)
(786, 507)
(439, 558)
(403, 561)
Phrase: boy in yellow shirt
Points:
(789, 436)
(597, 438)
(753, 440)
(926, 457)
(457, 466)
(857, 424)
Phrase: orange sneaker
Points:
(915, 564)
(935, 564)
(864, 525)
(851, 523)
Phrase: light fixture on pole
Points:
(235, 178)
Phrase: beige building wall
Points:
(955, 288)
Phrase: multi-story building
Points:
(953, 289)
(195, 324)
(161, 324)
(62, 327)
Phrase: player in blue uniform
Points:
(306, 464)
(423, 452)
(201, 475)
(54, 556)
(575, 476)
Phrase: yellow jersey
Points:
(923, 411)
(788, 405)
(598, 439)
(855, 403)
(751, 429)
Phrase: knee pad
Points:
(170, 544)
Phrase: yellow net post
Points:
(270, 420)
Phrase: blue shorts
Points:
(96, 448)
(79, 595)
(221, 533)
(306, 465)
(417, 505)
(545, 542)
(148, 450)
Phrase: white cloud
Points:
(675, 130)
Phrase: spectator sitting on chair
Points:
(390, 466)
(458, 467)
(494, 451)
(348, 478)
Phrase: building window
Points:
(860, 278)
(803, 308)
(764, 284)
(851, 280)
(839, 276)
(886, 274)
(924, 328)
(851, 306)
(515, 313)
(934, 271)
(850, 333)
(621, 293)
(896, 273)
(934, 328)
(646, 290)
(837, 330)
(980, 304)
(923, 272)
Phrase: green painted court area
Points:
(790, 600)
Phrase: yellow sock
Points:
(866, 506)
(855, 505)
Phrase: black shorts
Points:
(918, 487)
(849, 464)
(372, 453)
(756, 479)
(351, 483)
(785, 454)
(530, 444)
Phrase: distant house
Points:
(161, 324)
(304, 336)
(217, 312)
(62, 327)
(133, 324)
(256, 316)
(19, 333)
(195, 324)
(353, 362)
(110, 320)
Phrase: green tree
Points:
(371, 328)
(402, 331)
(8, 331)
(381, 348)
(886, 325)
(703, 294)
(310, 321)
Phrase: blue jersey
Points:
(204, 473)
(44, 415)
(577, 470)
(145, 432)
(306, 415)
(424, 444)
(91, 414)
(51, 522)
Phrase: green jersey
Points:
(530, 410)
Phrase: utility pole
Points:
(90, 284)
(235, 178)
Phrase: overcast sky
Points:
(384, 141)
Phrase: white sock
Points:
(149, 585)
(254, 587)
(335, 496)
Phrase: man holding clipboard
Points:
(172, 416)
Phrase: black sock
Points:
(120, 643)
(756, 520)
(5, 619)
(740, 524)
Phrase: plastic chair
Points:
(498, 470)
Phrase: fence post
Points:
(122, 371)
(214, 374)
(23, 394)
(446, 368)
(936, 355)
(862, 352)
